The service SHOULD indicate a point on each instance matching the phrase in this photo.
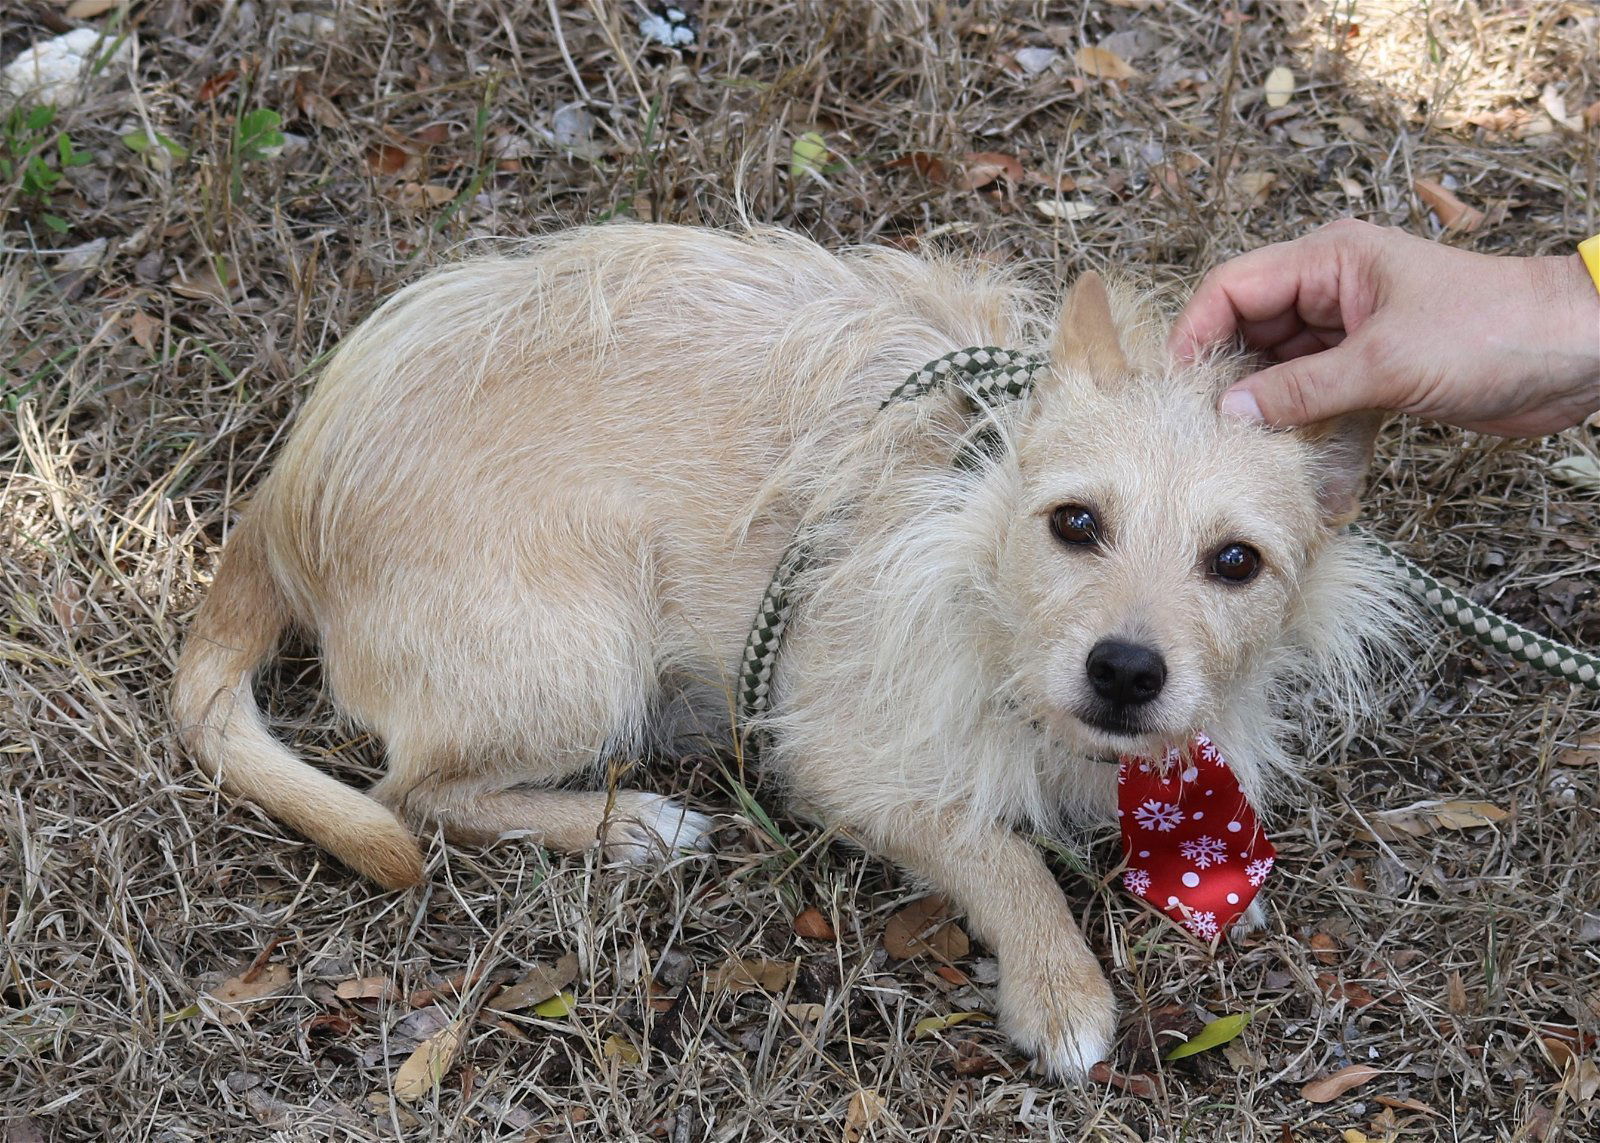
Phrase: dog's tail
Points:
(221, 726)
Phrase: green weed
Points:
(35, 157)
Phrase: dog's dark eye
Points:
(1236, 563)
(1075, 524)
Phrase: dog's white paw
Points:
(1067, 1021)
(650, 827)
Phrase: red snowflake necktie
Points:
(1190, 837)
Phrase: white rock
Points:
(572, 125)
(1035, 60)
(50, 71)
(669, 28)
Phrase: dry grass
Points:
(141, 401)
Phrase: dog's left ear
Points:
(1342, 447)
(1086, 339)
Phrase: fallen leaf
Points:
(317, 106)
(558, 1006)
(1134, 1083)
(1253, 186)
(1279, 88)
(952, 976)
(864, 1109)
(1325, 948)
(1103, 64)
(388, 159)
(970, 1058)
(379, 988)
(1330, 1087)
(1585, 753)
(928, 1025)
(751, 974)
(1353, 994)
(806, 154)
(1066, 210)
(422, 196)
(89, 9)
(1354, 1135)
(205, 284)
(618, 1048)
(216, 85)
(66, 604)
(433, 135)
(1591, 114)
(1063, 183)
(1213, 1035)
(85, 256)
(812, 925)
(1501, 120)
(25, 1130)
(144, 330)
(1455, 998)
(1555, 105)
(1453, 213)
(425, 1067)
(1559, 1052)
(539, 984)
(1581, 1081)
(806, 1013)
(925, 163)
(1422, 818)
(250, 987)
(921, 928)
(1352, 128)
(330, 1025)
(1580, 470)
(980, 168)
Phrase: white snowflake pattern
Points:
(1202, 925)
(1158, 815)
(1258, 869)
(1205, 851)
(1137, 882)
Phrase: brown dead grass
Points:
(140, 403)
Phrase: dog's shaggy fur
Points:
(533, 503)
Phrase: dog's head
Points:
(1162, 562)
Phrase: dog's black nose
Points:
(1125, 673)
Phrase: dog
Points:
(534, 501)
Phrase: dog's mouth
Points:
(1118, 721)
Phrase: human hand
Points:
(1358, 316)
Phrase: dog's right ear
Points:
(1086, 339)
(1342, 450)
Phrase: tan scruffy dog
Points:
(532, 506)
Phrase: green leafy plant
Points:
(256, 136)
(139, 142)
(35, 157)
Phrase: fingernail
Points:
(1241, 404)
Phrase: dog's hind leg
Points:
(631, 825)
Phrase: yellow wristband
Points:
(1589, 251)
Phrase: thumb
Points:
(1304, 390)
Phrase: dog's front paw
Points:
(1062, 1013)
(649, 827)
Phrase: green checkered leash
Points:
(994, 376)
